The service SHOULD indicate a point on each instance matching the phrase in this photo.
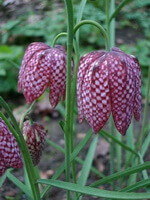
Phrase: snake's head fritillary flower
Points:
(10, 156)
(34, 135)
(43, 67)
(109, 82)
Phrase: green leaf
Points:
(3, 178)
(104, 133)
(145, 145)
(121, 174)
(59, 148)
(19, 184)
(94, 191)
(72, 157)
(88, 162)
(136, 186)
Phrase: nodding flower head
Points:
(109, 82)
(10, 156)
(34, 135)
(43, 67)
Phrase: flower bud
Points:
(34, 136)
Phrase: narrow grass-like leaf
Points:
(20, 185)
(80, 13)
(94, 191)
(130, 143)
(139, 185)
(145, 145)
(72, 157)
(144, 172)
(104, 133)
(121, 174)
(87, 163)
(79, 160)
(3, 178)
(117, 10)
(118, 152)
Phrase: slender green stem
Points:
(63, 34)
(102, 30)
(107, 9)
(145, 112)
(73, 89)
(76, 151)
(25, 114)
(121, 5)
(80, 14)
(112, 25)
(70, 35)
(25, 153)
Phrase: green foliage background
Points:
(18, 32)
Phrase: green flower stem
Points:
(112, 25)
(25, 153)
(107, 9)
(63, 34)
(102, 30)
(121, 5)
(70, 35)
(25, 114)
(142, 134)
(73, 89)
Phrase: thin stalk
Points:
(63, 34)
(59, 148)
(107, 10)
(145, 112)
(112, 25)
(70, 35)
(102, 30)
(25, 114)
(73, 89)
(121, 5)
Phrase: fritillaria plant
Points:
(108, 82)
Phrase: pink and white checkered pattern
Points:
(34, 136)
(109, 82)
(10, 155)
(43, 67)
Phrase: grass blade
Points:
(121, 174)
(136, 186)
(87, 163)
(72, 157)
(20, 185)
(94, 191)
(79, 160)
(104, 133)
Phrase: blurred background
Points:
(26, 21)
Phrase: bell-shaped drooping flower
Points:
(10, 156)
(34, 135)
(109, 82)
(43, 67)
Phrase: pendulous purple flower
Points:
(43, 67)
(109, 82)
